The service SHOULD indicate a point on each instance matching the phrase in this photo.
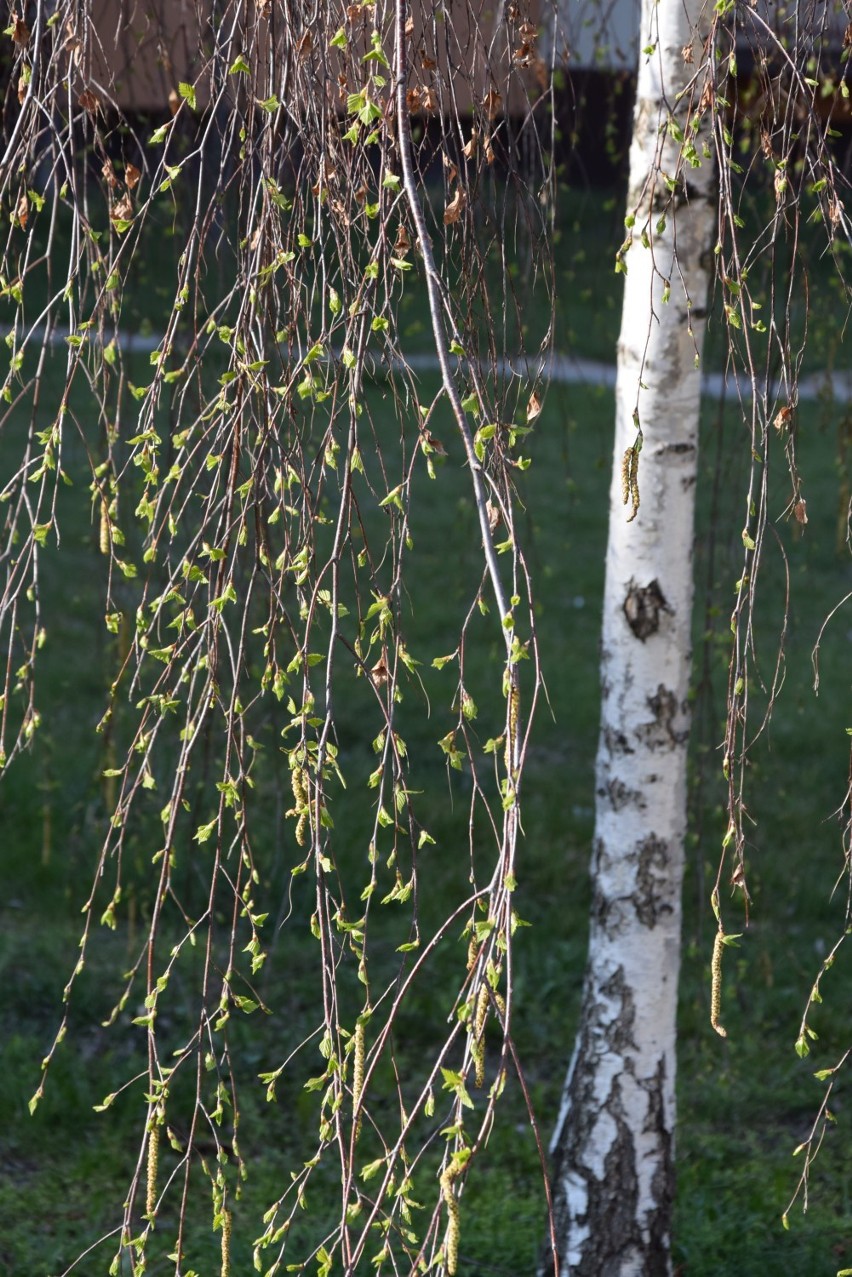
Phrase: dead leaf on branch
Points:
(22, 211)
(492, 102)
(89, 101)
(533, 407)
(122, 209)
(402, 243)
(306, 43)
(109, 175)
(800, 510)
(20, 30)
(73, 44)
(455, 208)
(783, 418)
(132, 176)
(380, 673)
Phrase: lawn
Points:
(746, 1102)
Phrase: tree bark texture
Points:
(613, 1147)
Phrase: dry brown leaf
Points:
(73, 44)
(108, 174)
(494, 515)
(434, 445)
(132, 176)
(533, 407)
(20, 30)
(427, 63)
(122, 209)
(174, 101)
(492, 102)
(540, 72)
(409, 25)
(354, 12)
(489, 151)
(22, 89)
(430, 99)
(22, 211)
(452, 169)
(89, 101)
(380, 672)
(306, 43)
(706, 99)
(469, 148)
(402, 243)
(783, 418)
(414, 100)
(688, 54)
(800, 510)
(454, 209)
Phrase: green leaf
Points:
(187, 92)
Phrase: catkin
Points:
(104, 532)
(358, 1075)
(226, 1243)
(301, 809)
(153, 1161)
(477, 1044)
(453, 1220)
(716, 983)
(514, 715)
(630, 480)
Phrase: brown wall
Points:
(142, 49)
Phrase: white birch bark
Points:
(613, 1181)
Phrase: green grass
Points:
(745, 1102)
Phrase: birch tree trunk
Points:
(613, 1179)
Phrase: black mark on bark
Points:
(620, 795)
(661, 731)
(652, 899)
(616, 742)
(642, 608)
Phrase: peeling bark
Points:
(613, 1148)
